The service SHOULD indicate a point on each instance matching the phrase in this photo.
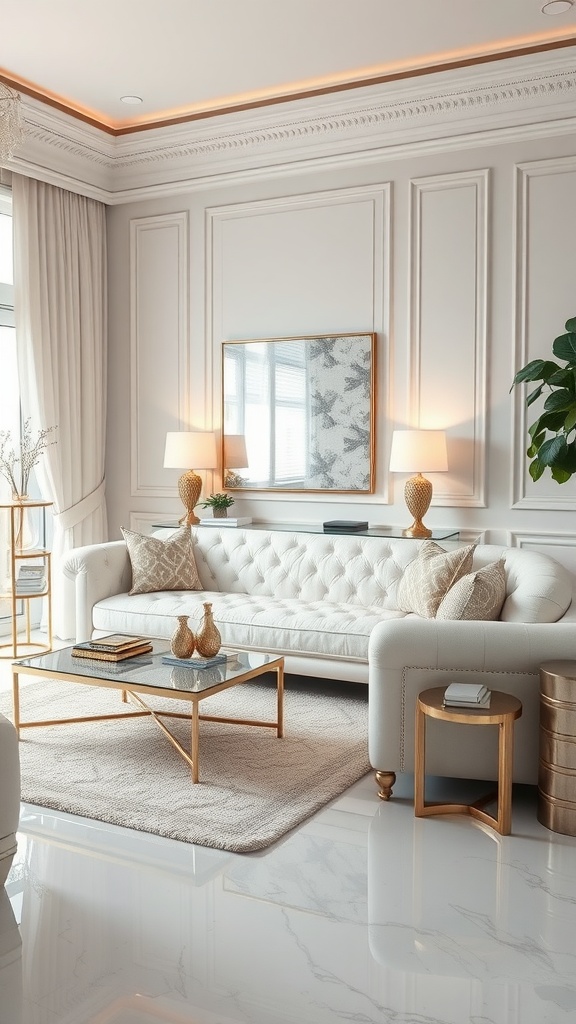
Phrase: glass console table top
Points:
(394, 532)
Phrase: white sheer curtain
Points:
(60, 311)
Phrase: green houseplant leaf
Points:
(553, 434)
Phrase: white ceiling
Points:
(187, 58)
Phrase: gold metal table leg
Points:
(280, 700)
(16, 702)
(195, 742)
(420, 761)
(505, 761)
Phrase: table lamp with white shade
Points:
(185, 448)
(235, 457)
(418, 452)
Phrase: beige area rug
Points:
(253, 786)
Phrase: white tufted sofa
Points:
(328, 603)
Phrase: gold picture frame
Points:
(298, 414)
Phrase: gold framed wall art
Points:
(298, 414)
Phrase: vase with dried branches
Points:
(17, 459)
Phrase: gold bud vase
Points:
(183, 640)
(208, 639)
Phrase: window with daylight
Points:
(9, 389)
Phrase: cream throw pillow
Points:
(429, 577)
(162, 564)
(478, 595)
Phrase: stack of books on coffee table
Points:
(115, 647)
(467, 695)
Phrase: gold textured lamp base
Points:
(417, 495)
(189, 487)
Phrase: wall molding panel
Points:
(448, 274)
(142, 522)
(545, 226)
(561, 546)
(159, 347)
(332, 250)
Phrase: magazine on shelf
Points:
(30, 571)
(30, 580)
(22, 589)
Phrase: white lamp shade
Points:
(235, 454)
(418, 451)
(190, 449)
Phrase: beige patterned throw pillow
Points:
(429, 577)
(478, 595)
(162, 564)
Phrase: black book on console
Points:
(344, 526)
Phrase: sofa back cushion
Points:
(343, 569)
(347, 569)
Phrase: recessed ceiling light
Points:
(131, 99)
(557, 6)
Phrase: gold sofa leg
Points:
(385, 781)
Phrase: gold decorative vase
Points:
(208, 639)
(183, 640)
(220, 513)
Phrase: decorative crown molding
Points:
(463, 107)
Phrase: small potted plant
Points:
(219, 503)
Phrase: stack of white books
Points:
(467, 695)
(31, 580)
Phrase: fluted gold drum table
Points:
(503, 711)
(557, 764)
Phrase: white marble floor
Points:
(363, 914)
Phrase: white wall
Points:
(461, 259)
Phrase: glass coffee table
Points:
(147, 675)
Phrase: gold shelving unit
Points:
(20, 554)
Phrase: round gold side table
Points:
(503, 711)
(557, 764)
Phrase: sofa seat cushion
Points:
(316, 628)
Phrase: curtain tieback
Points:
(70, 517)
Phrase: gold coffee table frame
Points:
(503, 711)
(132, 690)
